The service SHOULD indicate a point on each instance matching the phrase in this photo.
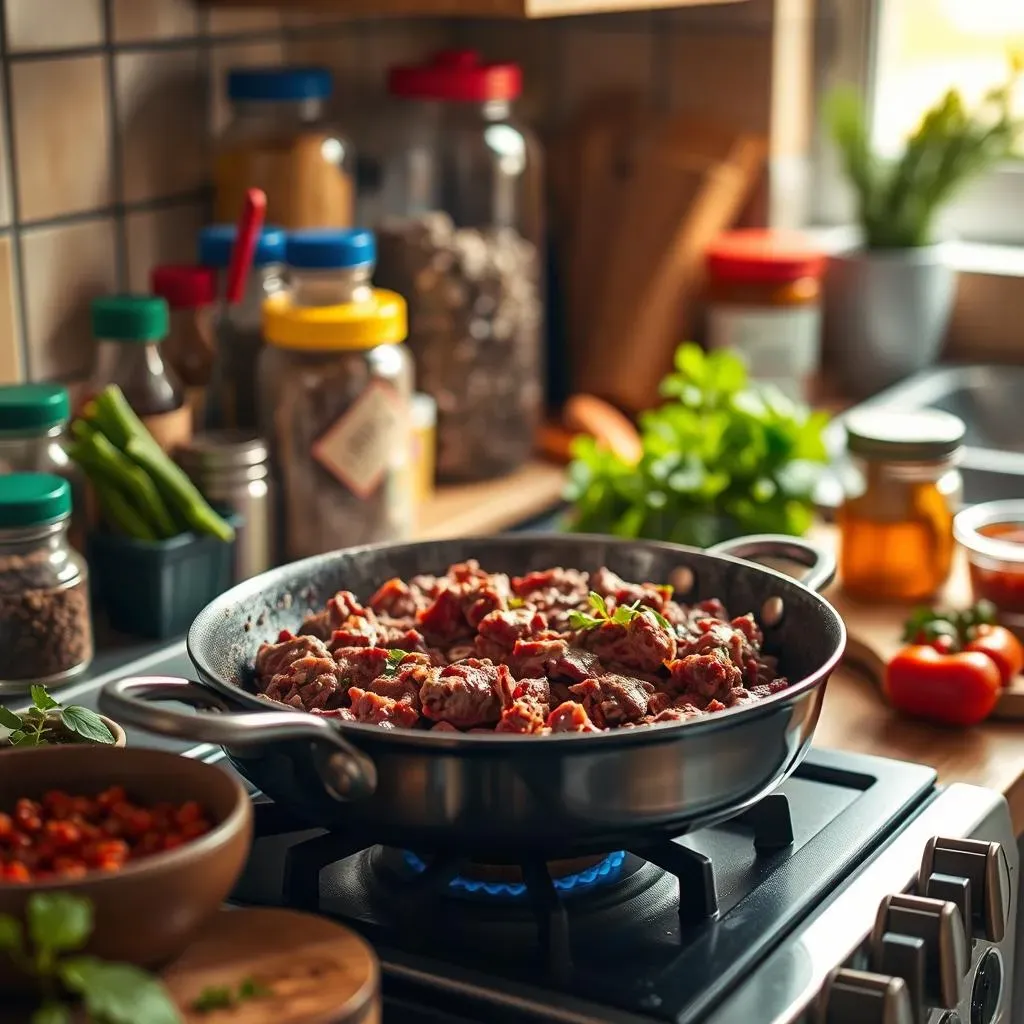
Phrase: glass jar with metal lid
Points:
(336, 387)
(902, 491)
(231, 470)
(45, 624)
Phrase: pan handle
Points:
(819, 561)
(346, 771)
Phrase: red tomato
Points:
(955, 689)
(1001, 646)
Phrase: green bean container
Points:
(154, 589)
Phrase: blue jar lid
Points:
(216, 241)
(30, 407)
(32, 499)
(274, 84)
(326, 249)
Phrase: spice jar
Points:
(129, 330)
(232, 471)
(190, 293)
(45, 625)
(335, 386)
(278, 141)
(764, 302)
(903, 490)
(231, 394)
(461, 237)
(328, 267)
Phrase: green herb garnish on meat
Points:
(395, 658)
(621, 616)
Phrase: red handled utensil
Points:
(249, 225)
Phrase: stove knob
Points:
(856, 997)
(984, 865)
(923, 941)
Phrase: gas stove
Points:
(858, 893)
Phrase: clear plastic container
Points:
(231, 393)
(992, 535)
(902, 491)
(45, 621)
(335, 393)
(279, 141)
(129, 330)
(327, 268)
(461, 237)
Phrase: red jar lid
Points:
(184, 287)
(459, 76)
(760, 254)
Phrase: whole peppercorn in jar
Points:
(902, 493)
(336, 385)
(45, 623)
(461, 238)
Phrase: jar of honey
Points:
(903, 489)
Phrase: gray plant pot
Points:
(886, 314)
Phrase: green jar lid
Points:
(29, 407)
(130, 318)
(32, 499)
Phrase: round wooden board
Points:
(315, 971)
(875, 634)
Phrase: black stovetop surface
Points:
(618, 937)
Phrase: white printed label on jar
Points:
(359, 448)
(778, 345)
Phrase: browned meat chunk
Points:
(359, 666)
(499, 630)
(642, 643)
(398, 600)
(272, 659)
(342, 714)
(523, 716)
(710, 675)
(443, 727)
(575, 664)
(339, 608)
(307, 683)
(608, 584)
(532, 657)
(383, 711)
(536, 691)
(554, 591)
(674, 714)
(465, 694)
(404, 683)
(613, 699)
(570, 717)
(442, 621)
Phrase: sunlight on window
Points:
(926, 47)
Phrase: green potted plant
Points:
(47, 722)
(888, 302)
(721, 457)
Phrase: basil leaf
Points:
(52, 1013)
(59, 921)
(8, 719)
(11, 937)
(597, 602)
(577, 620)
(87, 724)
(118, 993)
(41, 699)
(25, 739)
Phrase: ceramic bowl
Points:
(147, 913)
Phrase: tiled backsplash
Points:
(108, 108)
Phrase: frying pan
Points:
(492, 795)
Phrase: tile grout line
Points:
(17, 249)
(116, 150)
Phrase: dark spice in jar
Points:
(44, 630)
(474, 332)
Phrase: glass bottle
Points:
(45, 622)
(327, 268)
(902, 491)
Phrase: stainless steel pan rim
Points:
(222, 608)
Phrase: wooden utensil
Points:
(309, 969)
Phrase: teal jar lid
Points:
(33, 499)
(32, 407)
(130, 318)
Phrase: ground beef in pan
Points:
(549, 652)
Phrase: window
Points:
(905, 54)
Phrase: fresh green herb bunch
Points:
(623, 615)
(721, 458)
(898, 200)
(59, 924)
(46, 717)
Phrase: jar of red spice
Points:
(764, 302)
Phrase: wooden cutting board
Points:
(314, 971)
(875, 632)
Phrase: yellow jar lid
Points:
(363, 325)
